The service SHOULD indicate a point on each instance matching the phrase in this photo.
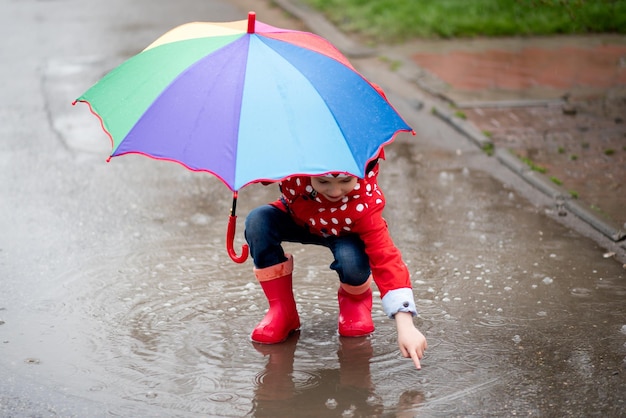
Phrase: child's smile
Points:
(333, 188)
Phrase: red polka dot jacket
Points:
(359, 212)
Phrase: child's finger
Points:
(416, 360)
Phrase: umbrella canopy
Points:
(245, 101)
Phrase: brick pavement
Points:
(559, 103)
(558, 69)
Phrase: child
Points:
(343, 213)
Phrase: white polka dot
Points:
(371, 174)
(344, 199)
(321, 209)
(332, 210)
(360, 207)
(348, 221)
(298, 181)
(379, 201)
(357, 187)
(334, 231)
(308, 188)
(312, 221)
(368, 187)
(292, 192)
(323, 221)
(318, 200)
(334, 220)
(356, 196)
(346, 228)
(343, 207)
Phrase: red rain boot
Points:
(282, 318)
(355, 310)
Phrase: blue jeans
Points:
(267, 227)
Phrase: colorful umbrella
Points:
(247, 102)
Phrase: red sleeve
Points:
(388, 269)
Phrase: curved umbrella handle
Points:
(230, 236)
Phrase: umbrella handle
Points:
(230, 236)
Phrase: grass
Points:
(533, 166)
(556, 181)
(399, 20)
(394, 65)
(460, 114)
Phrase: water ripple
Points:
(158, 328)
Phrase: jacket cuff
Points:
(399, 300)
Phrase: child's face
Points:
(333, 188)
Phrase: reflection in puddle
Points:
(344, 390)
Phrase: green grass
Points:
(460, 114)
(556, 181)
(400, 20)
(533, 166)
(394, 65)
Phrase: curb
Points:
(563, 200)
(464, 127)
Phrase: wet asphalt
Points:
(117, 297)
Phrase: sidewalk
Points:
(551, 109)
(558, 103)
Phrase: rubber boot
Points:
(355, 310)
(282, 318)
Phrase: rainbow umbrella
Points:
(247, 102)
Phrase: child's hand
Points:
(411, 341)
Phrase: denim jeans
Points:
(267, 227)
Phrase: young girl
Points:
(343, 213)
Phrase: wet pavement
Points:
(117, 297)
